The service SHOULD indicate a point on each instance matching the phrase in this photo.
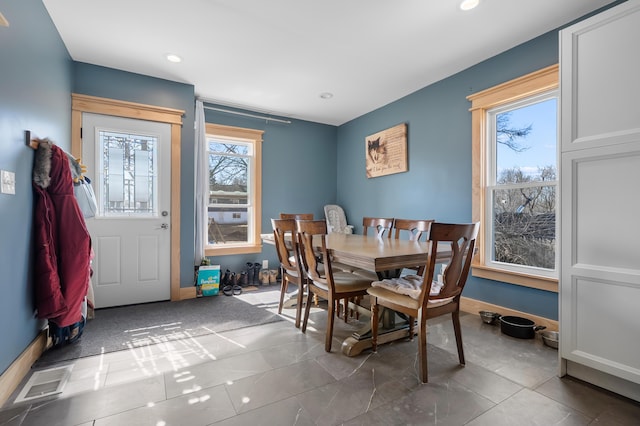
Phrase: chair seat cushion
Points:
(404, 300)
(409, 285)
(346, 282)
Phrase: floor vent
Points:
(45, 383)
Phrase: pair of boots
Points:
(253, 273)
(268, 276)
(232, 283)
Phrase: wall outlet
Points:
(7, 182)
(265, 264)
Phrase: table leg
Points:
(389, 332)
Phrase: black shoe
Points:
(256, 273)
(244, 279)
(225, 278)
(232, 281)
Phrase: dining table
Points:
(387, 257)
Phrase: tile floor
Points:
(275, 375)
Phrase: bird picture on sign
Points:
(386, 151)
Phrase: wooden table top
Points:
(373, 253)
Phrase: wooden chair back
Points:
(310, 234)
(284, 234)
(461, 239)
(415, 229)
(379, 226)
(302, 216)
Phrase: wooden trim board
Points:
(13, 376)
(473, 306)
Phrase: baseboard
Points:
(13, 376)
(187, 292)
(473, 306)
(601, 379)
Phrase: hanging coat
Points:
(62, 242)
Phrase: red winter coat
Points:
(63, 244)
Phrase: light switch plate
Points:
(7, 182)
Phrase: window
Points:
(234, 208)
(129, 186)
(515, 180)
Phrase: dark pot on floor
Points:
(519, 327)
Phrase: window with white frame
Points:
(520, 196)
(515, 133)
(234, 190)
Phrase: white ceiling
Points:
(278, 56)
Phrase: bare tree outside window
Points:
(524, 195)
(229, 168)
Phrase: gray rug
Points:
(122, 328)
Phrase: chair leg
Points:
(299, 302)
(307, 308)
(283, 291)
(330, 320)
(412, 327)
(374, 324)
(455, 316)
(346, 309)
(422, 347)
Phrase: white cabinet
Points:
(600, 193)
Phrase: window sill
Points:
(533, 281)
(229, 250)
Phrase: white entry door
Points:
(129, 164)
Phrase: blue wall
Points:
(438, 183)
(35, 87)
(298, 173)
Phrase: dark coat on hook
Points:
(63, 245)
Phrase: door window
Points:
(128, 184)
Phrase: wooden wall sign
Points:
(386, 151)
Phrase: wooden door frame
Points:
(91, 104)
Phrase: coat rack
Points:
(32, 143)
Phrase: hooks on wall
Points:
(31, 143)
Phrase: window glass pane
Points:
(128, 180)
(526, 140)
(524, 226)
(229, 196)
(226, 147)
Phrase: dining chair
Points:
(415, 230)
(303, 216)
(379, 225)
(284, 233)
(321, 278)
(423, 299)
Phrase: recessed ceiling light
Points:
(326, 95)
(173, 58)
(469, 4)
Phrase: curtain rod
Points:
(261, 117)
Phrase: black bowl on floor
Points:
(519, 327)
